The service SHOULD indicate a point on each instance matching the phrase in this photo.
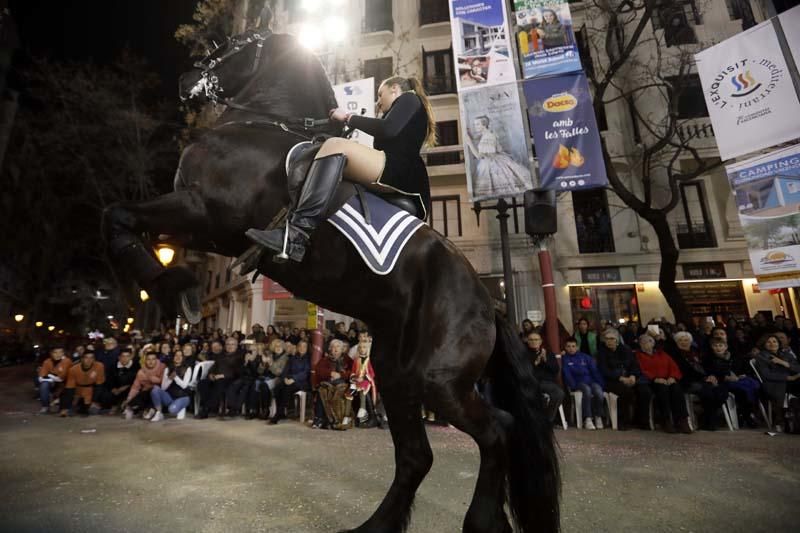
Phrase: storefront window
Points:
(595, 303)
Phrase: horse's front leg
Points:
(173, 213)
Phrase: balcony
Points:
(696, 234)
(433, 11)
(378, 24)
(443, 155)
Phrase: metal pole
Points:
(549, 290)
(787, 55)
(502, 216)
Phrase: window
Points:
(216, 281)
(437, 71)
(447, 133)
(689, 93)
(676, 18)
(227, 275)
(378, 16)
(592, 221)
(445, 216)
(694, 228)
(595, 303)
(432, 11)
(741, 10)
(380, 69)
(208, 281)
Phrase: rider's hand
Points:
(340, 115)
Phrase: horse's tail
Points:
(534, 479)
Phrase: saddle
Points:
(299, 159)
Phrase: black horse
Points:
(436, 333)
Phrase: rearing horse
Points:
(436, 333)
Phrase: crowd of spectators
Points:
(224, 376)
(662, 364)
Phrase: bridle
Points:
(209, 85)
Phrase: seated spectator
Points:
(259, 395)
(109, 354)
(52, 376)
(119, 380)
(188, 350)
(363, 336)
(295, 378)
(695, 379)
(527, 329)
(777, 368)
(84, 387)
(341, 332)
(165, 352)
(623, 377)
(257, 335)
(331, 379)
(663, 373)
(581, 374)
(587, 340)
(173, 391)
(546, 370)
(719, 363)
(279, 360)
(362, 385)
(149, 376)
(227, 368)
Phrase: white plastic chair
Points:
(766, 413)
(577, 400)
(730, 412)
(300, 398)
(613, 401)
(560, 411)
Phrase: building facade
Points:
(606, 258)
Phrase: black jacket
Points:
(546, 371)
(619, 363)
(120, 377)
(230, 365)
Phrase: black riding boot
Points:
(323, 177)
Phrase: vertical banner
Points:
(790, 22)
(767, 190)
(565, 133)
(545, 38)
(750, 97)
(496, 146)
(357, 97)
(480, 43)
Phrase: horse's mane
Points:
(291, 80)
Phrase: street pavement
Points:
(103, 473)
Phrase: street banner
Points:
(545, 38)
(748, 92)
(496, 145)
(358, 97)
(767, 191)
(480, 43)
(272, 290)
(790, 22)
(565, 134)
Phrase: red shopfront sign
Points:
(272, 290)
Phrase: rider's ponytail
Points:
(413, 84)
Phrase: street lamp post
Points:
(508, 280)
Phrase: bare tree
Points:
(639, 70)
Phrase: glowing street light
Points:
(19, 318)
(39, 323)
(50, 328)
(165, 255)
(130, 320)
(143, 296)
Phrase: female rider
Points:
(394, 164)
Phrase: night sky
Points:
(98, 30)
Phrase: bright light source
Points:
(335, 29)
(143, 296)
(621, 320)
(61, 332)
(50, 328)
(165, 255)
(35, 346)
(126, 328)
(19, 318)
(309, 5)
(110, 317)
(39, 323)
(310, 36)
(130, 320)
(185, 326)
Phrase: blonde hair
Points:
(413, 84)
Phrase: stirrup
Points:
(283, 256)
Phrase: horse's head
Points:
(271, 73)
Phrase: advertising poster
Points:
(480, 43)
(496, 147)
(767, 190)
(565, 133)
(750, 97)
(358, 97)
(545, 38)
(790, 22)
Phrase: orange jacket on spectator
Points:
(658, 365)
(59, 369)
(83, 381)
(146, 379)
(326, 365)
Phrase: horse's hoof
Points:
(190, 305)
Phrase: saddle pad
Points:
(381, 243)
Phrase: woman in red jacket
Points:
(662, 372)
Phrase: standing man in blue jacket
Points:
(581, 374)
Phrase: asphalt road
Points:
(239, 476)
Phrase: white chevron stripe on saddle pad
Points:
(380, 243)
